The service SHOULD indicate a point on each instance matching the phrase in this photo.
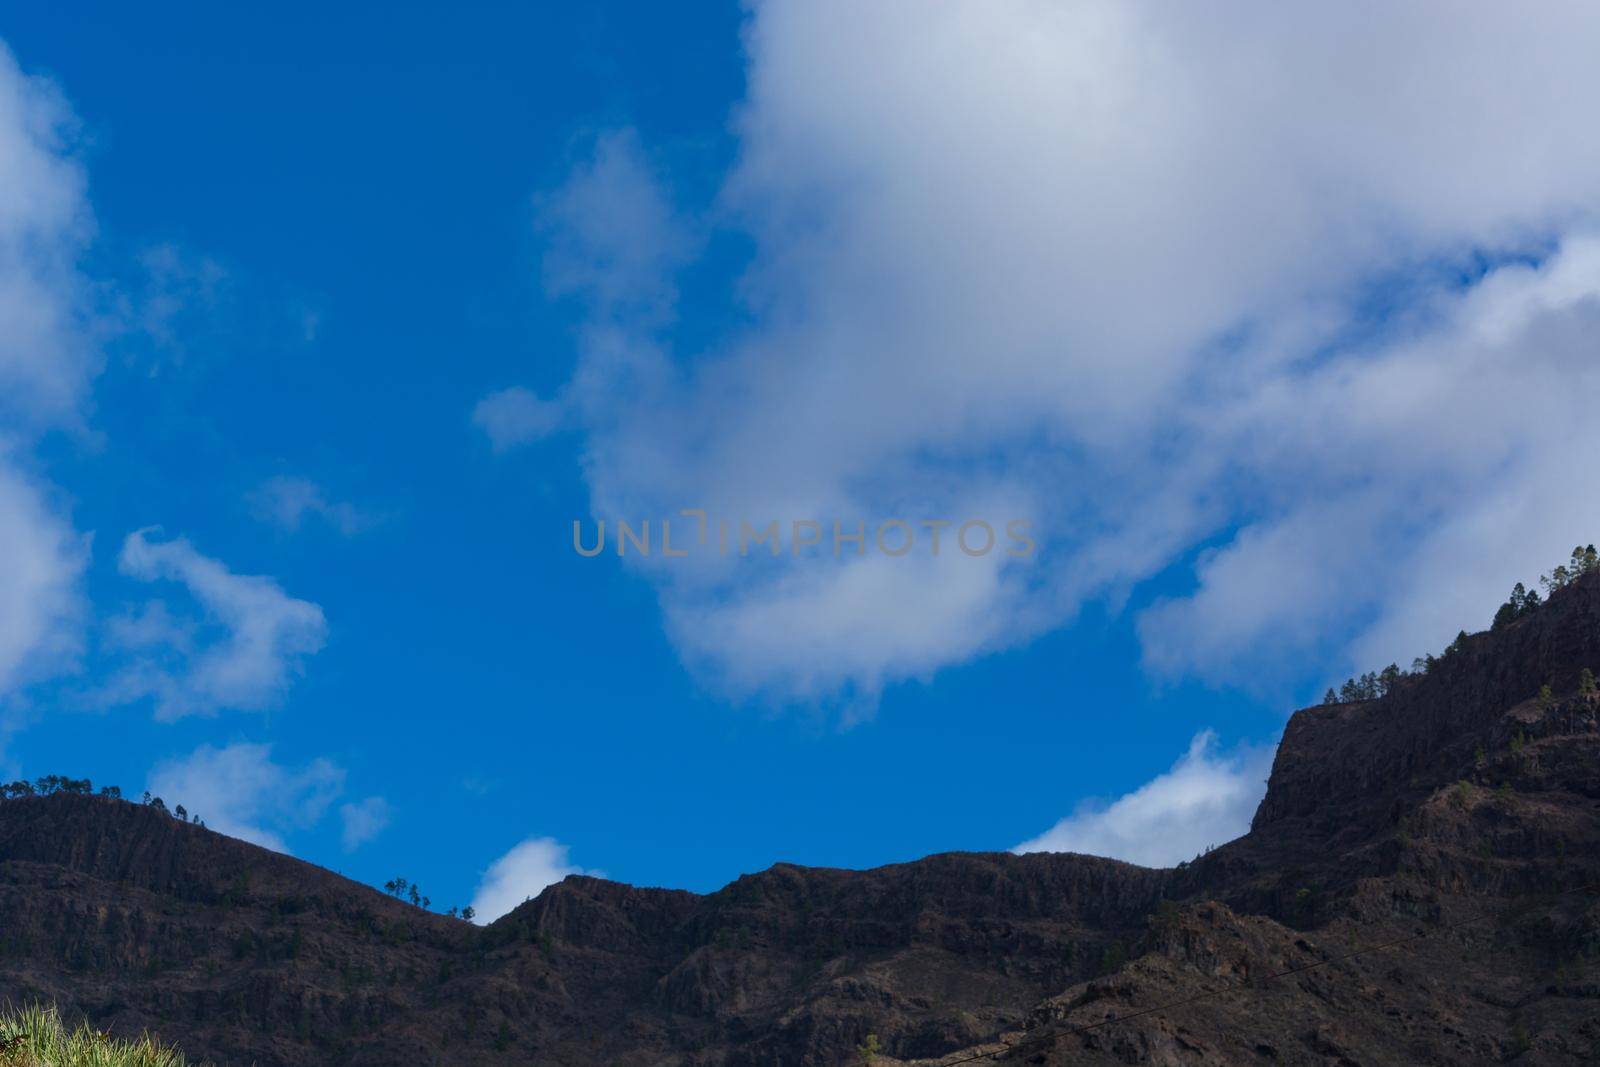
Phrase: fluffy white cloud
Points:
(866, 620)
(516, 416)
(48, 352)
(242, 652)
(48, 355)
(286, 501)
(240, 791)
(363, 821)
(1308, 285)
(1206, 799)
(41, 559)
(520, 875)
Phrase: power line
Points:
(1047, 1040)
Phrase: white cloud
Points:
(1414, 481)
(48, 351)
(864, 620)
(286, 501)
(240, 791)
(243, 652)
(54, 321)
(363, 821)
(516, 416)
(1206, 799)
(41, 561)
(1257, 276)
(48, 356)
(520, 875)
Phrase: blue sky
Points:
(783, 262)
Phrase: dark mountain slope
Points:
(137, 920)
(1461, 807)
(1457, 820)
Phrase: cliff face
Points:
(1354, 760)
(1458, 818)
(1456, 821)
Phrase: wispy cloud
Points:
(363, 821)
(1207, 798)
(241, 791)
(614, 236)
(516, 416)
(178, 288)
(287, 501)
(240, 650)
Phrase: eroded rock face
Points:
(1458, 817)
(1456, 821)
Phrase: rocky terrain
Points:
(1421, 886)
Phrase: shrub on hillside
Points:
(36, 1037)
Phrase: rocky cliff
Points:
(1417, 888)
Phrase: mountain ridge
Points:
(1464, 803)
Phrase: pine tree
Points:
(1556, 579)
(1388, 679)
